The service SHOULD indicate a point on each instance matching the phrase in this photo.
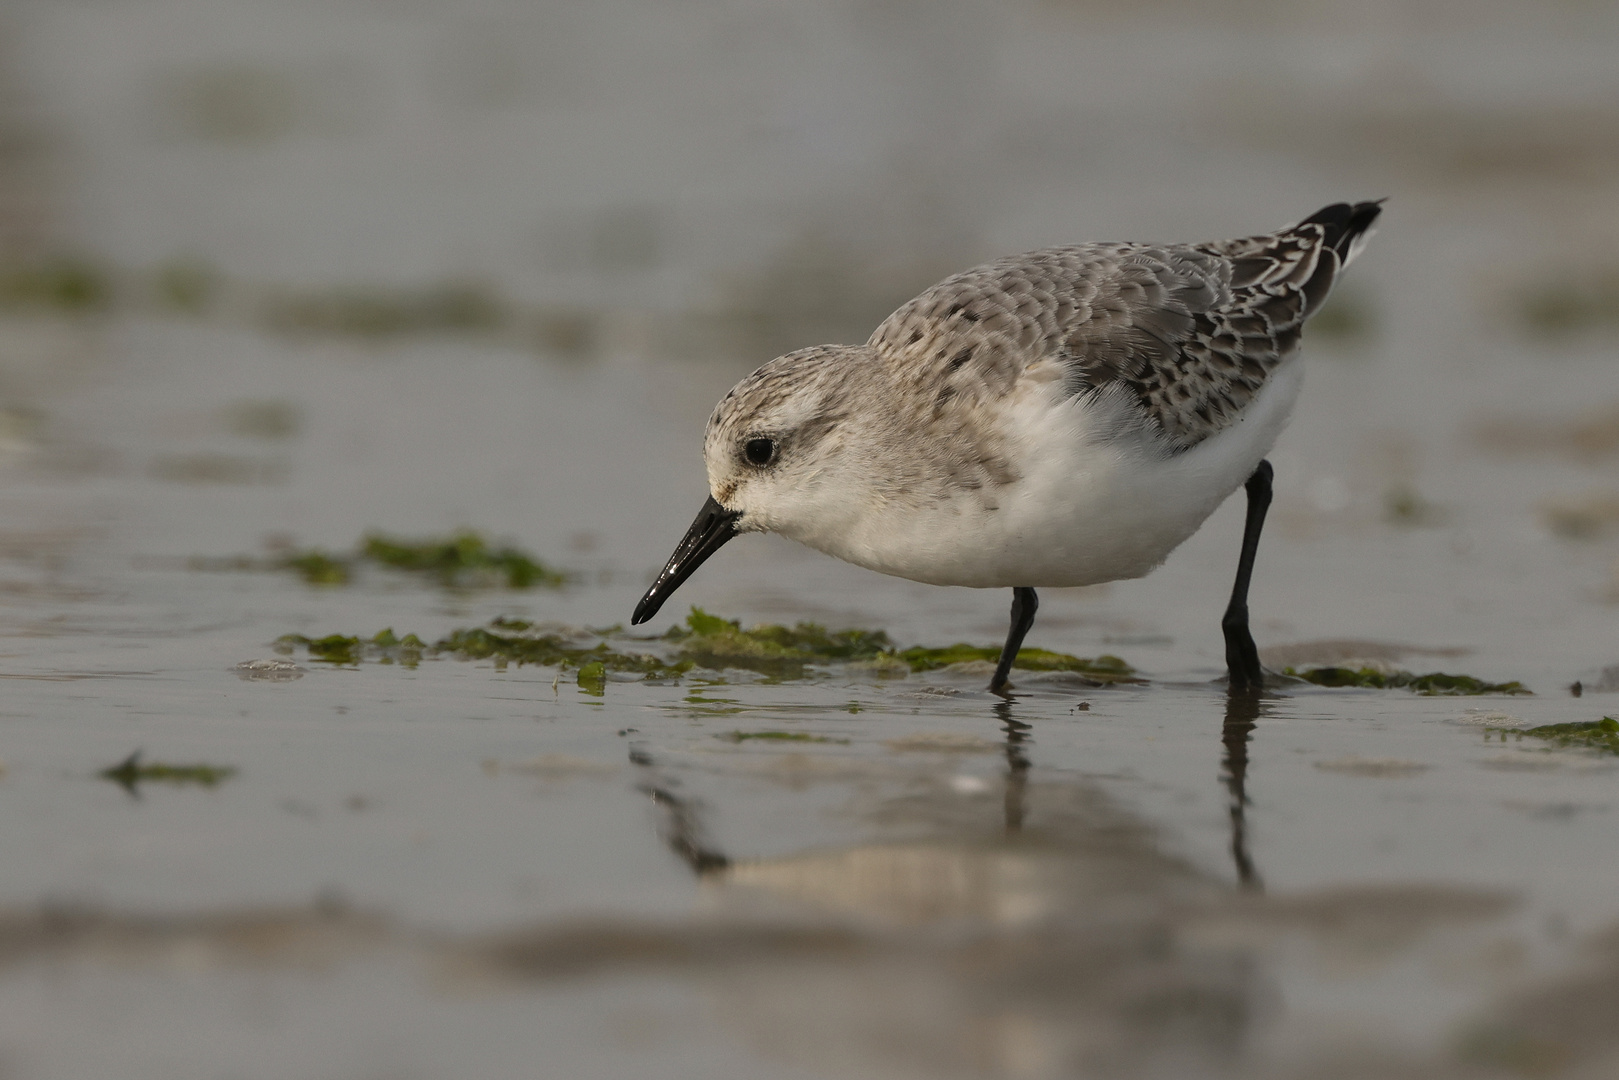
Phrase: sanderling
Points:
(1062, 417)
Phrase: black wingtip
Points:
(1343, 222)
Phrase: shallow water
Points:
(466, 870)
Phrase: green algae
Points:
(505, 622)
(132, 772)
(592, 678)
(706, 641)
(68, 285)
(1102, 669)
(387, 648)
(702, 705)
(779, 736)
(333, 648)
(1594, 734)
(463, 559)
(504, 642)
(713, 642)
(883, 666)
(551, 650)
(383, 647)
(1436, 683)
(386, 639)
(318, 568)
(703, 624)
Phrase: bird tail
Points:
(1346, 227)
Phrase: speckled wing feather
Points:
(1192, 331)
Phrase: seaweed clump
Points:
(1102, 669)
(72, 286)
(132, 772)
(383, 647)
(318, 568)
(782, 652)
(705, 641)
(510, 641)
(1594, 735)
(504, 641)
(713, 642)
(1435, 683)
(461, 561)
(592, 678)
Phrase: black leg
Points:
(1024, 605)
(1241, 656)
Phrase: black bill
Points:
(713, 527)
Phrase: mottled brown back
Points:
(1192, 331)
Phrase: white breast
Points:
(1086, 509)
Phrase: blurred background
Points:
(275, 274)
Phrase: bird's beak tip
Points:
(715, 525)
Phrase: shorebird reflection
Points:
(679, 824)
(1017, 765)
(1242, 709)
(681, 828)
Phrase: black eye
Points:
(760, 451)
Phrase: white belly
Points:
(1084, 511)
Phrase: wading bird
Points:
(1061, 417)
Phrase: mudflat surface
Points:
(411, 270)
